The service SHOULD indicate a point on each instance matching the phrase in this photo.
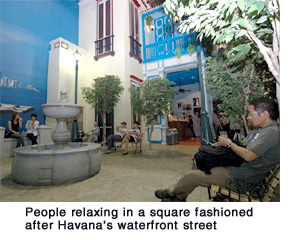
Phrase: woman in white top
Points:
(31, 127)
(131, 136)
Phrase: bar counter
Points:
(182, 128)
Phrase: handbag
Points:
(209, 157)
(7, 134)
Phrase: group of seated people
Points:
(31, 126)
(122, 135)
(261, 151)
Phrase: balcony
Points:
(135, 49)
(165, 49)
(104, 47)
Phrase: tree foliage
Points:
(255, 23)
(154, 97)
(234, 85)
(104, 94)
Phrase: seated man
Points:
(131, 136)
(121, 132)
(261, 155)
(93, 135)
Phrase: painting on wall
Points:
(24, 52)
(196, 102)
(187, 107)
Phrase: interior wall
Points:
(186, 98)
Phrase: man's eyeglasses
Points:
(252, 113)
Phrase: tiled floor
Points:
(130, 178)
(191, 142)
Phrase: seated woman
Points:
(131, 136)
(31, 127)
(14, 126)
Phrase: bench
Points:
(261, 193)
(7, 145)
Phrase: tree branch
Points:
(268, 54)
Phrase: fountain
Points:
(62, 161)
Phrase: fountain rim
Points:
(61, 105)
(86, 148)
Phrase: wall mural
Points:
(25, 47)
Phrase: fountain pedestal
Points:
(60, 162)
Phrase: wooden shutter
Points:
(101, 27)
(108, 26)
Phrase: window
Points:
(164, 28)
(105, 37)
(135, 46)
(134, 22)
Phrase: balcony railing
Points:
(166, 48)
(104, 47)
(135, 49)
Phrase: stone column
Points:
(44, 134)
(2, 133)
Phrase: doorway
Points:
(109, 124)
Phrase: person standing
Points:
(14, 125)
(190, 126)
(216, 124)
(172, 117)
(235, 127)
(31, 127)
(225, 123)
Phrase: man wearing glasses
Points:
(261, 154)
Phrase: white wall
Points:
(61, 75)
(121, 64)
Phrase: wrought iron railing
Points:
(135, 49)
(166, 48)
(104, 47)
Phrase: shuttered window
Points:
(135, 46)
(105, 37)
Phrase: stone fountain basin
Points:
(51, 164)
(61, 110)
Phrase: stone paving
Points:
(130, 178)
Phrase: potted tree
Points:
(154, 98)
(104, 95)
(148, 20)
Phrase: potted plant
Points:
(149, 20)
(104, 95)
(153, 99)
